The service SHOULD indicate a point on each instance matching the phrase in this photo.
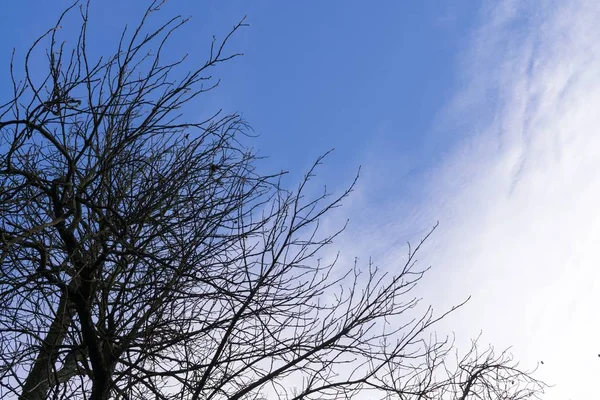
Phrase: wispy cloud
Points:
(518, 198)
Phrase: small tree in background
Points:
(144, 257)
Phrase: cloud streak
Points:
(518, 197)
(522, 193)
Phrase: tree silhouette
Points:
(144, 257)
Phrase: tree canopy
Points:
(143, 255)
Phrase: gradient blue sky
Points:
(480, 114)
(333, 74)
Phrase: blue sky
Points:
(479, 114)
(333, 74)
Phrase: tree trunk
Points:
(38, 380)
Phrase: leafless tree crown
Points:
(144, 257)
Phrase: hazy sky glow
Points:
(482, 115)
(517, 196)
(524, 223)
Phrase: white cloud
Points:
(519, 198)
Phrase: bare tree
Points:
(143, 256)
